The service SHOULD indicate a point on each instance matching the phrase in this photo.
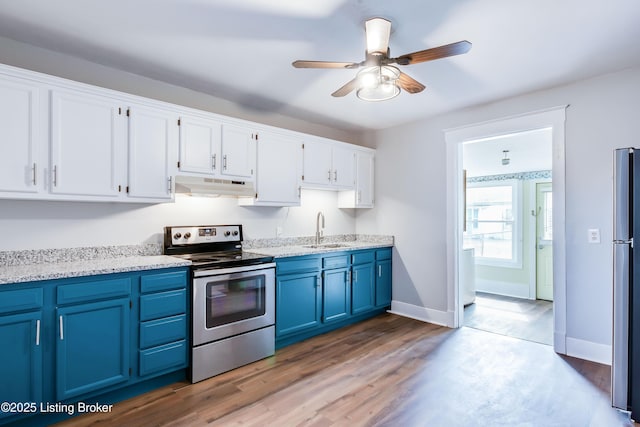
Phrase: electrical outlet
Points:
(593, 235)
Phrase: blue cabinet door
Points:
(362, 288)
(383, 283)
(336, 296)
(298, 302)
(21, 358)
(92, 347)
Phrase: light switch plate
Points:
(593, 235)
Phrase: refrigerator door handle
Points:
(624, 242)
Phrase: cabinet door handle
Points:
(61, 328)
(38, 332)
(335, 175)
(169, 188)
(213, 159)
(348, 277)
(224, 162)
(34, 173)
(299, 191)
(355, 276)
(359, 196)
(329, 176)
(379, 271)
(55, 175)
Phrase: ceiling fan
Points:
(379, 79)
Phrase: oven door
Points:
(232, 301)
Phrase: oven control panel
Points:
(205, 234)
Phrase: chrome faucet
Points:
(318, 231)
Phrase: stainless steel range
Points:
(233, 298)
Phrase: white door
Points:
(88, 149)
(279, 169)
(317, 164)
(200, 145)
(19, 137)
(152, 138)
(238, 151)
(544, 239)
(364, 181)
(344, 168)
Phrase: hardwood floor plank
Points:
(387, 371)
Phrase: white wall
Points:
(45, 225)
(604, 114)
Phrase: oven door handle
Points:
(232, 270)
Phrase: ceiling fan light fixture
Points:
(377, 32)
(378, 83)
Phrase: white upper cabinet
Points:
(87, 144)
(238, 151)
(153, 135)
(362, 195)
(279, 170)
(200, 142)
(328, 165)
(217, 149)
(20, 137)
(343, 167)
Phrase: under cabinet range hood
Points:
(198, 186)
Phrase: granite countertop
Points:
(281, 248)
(30, 266)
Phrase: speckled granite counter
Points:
(34, 265)
(297, 246)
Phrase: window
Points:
(494, 223)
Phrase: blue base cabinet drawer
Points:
(93, 291)
(25, 299)
(162, 358)
(163, 282)
(163, 304)
(163, 331)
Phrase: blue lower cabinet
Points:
(162, 358)
(383, 283)
(298, 302)
(92, 347)
(362, 288)
(349, 291)
(20, 358)
(336, 297)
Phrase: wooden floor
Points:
(526, 319)
(388, 371)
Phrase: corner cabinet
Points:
(362, 195)
(70, 340)
(319, 293)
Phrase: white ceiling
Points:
(527, 151)
(242, 50)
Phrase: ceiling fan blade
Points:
(377, 31)
(346, 89)
(452, 49)
(410, 84)
(323, 64)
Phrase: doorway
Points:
(552, 119)
(507, 189)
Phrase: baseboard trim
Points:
(509, 289)
(588, 350)
(424, 314)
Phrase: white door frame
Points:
(554, 118)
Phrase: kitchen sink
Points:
(326, 246)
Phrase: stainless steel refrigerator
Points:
(625, 370)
